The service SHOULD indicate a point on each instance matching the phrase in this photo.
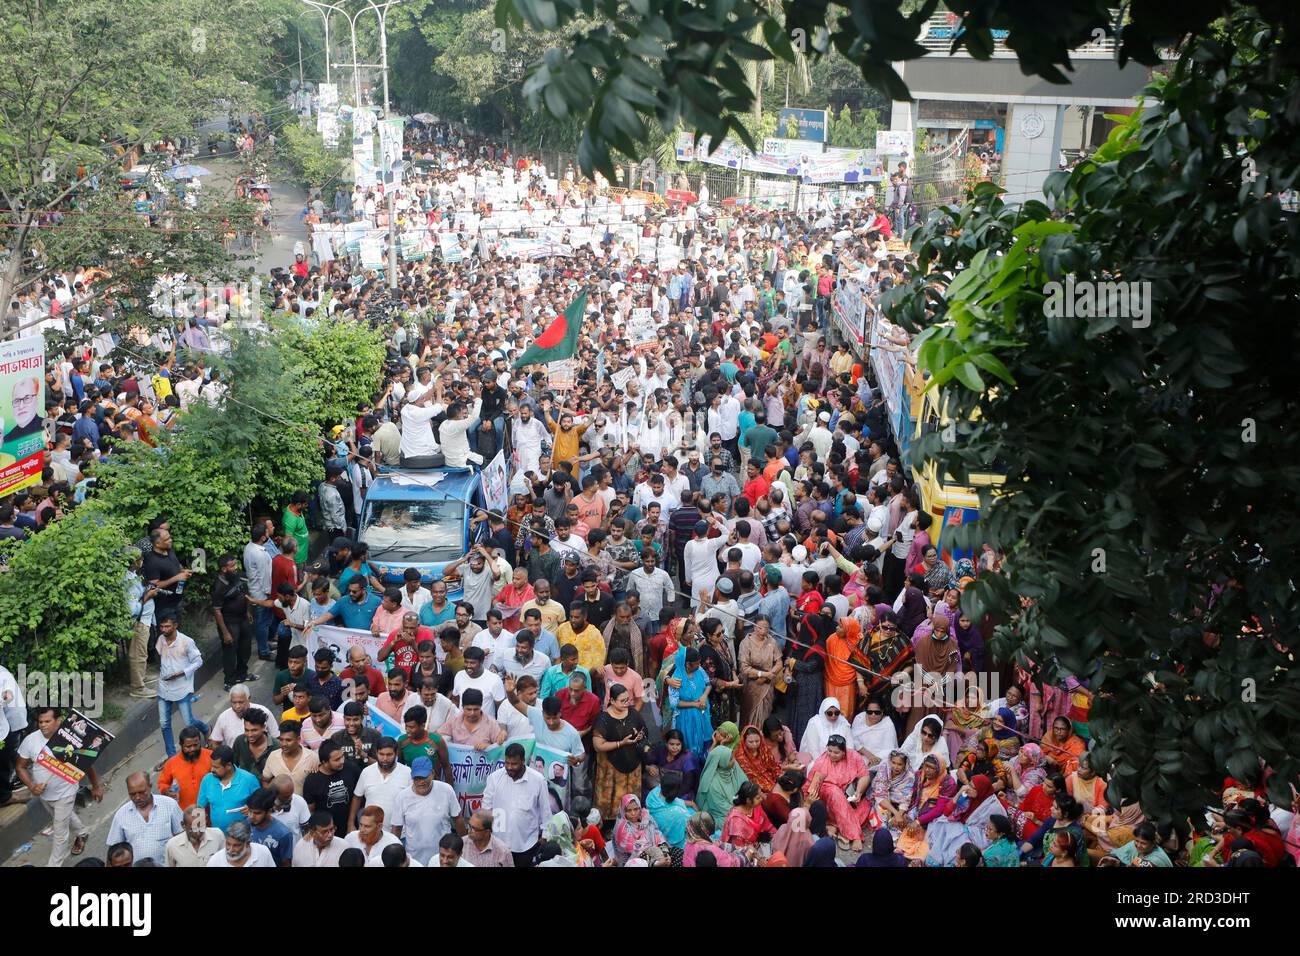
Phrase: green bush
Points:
(63, 598)
(342, 362)
(310, 162)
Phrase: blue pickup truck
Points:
(418, 518)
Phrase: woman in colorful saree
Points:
(794, 838)
(964, 823)
(780, 743)
(699, 844)
(1024, 772)
(933, 784)
(1066, 817)
(722, 776)
(982, 760)
(1001, 849)
(673, 754)
(833, 775)
(841, 678)
(808, 669)
(965, 725)
(690, 704)
(746, 822)
(635, 833)
(756, 760)
(1063, 747)
(892, 791)
(1086, 786)
(1106, 833)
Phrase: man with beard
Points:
(424, 812)
(241, 850)
(527, 434)
(230, 725)
(518, 796)
(381, 781)
(185, 771)
(146, 821)
(196, 844)
(320, 848)
(330, 787)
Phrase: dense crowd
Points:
(715, 587)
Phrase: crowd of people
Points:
(716, 587)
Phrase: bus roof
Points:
(438, 484)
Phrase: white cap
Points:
(799, 553)
(824, 416)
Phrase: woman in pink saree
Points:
(837, 770)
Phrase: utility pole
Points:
(299, 32)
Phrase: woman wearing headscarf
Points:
(756, 760)
(822, 851)
(699, 841)
(926, 739)
(983, 760)
(689, 703)
(718, 659)
(673, 754)
(839, 778)
(891, 790)
(746, 822)
(970, 643)
(794, 838)
(1104, 834)
(759, 666)
(885, 651)
(911, 607)
(635, 833)
(939, 663)
(1063, 747)
(911, 843)
(874, 734)
(722, 776)
(807, 670)
(963, 822)
(1014, 702)
(1002, 732)
(670, 813)
(882, 855)
(930, 791)
(841, 678)
(829, 720)
(965, 725)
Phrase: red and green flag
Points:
(559, 341)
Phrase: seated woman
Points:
(1143, 850)
(670, 813)
(1066, 818)
(965, 726)
(784, 798)
(1086, 786)
(829, 721)
(964, 822)
(673, 754)
(933, 784)
(839, 778)
(892, 792)
(926, 739)
(794, 838)
(883, 855)
(780, 742)
(1024, 772)
(636, 835)
(1037, 803)
(722, 776)
(983, 759)
(700, 844)
(1001, 848)
(1063, 747)
(746, 822)
(756, 760)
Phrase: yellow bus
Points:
(950, 504)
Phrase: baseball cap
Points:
(422, 767)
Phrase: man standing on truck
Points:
(454, 433)
(418, 444)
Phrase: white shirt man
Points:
(426, 819)
(379, 789)
(494, 692)
(655, 590)
(519, 807)
(229, 727)
(417, 436)
(258, 855)
(527, 437)
(724, 418)
(701, 560)
(454, 433)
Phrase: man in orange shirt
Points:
(186, 770)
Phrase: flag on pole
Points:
(559, 341)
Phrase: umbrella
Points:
(187, 171)
(425, 117)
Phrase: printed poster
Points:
(496, 484)
(642, 331)
(470, 769)
(341, 640)
(75, 746)
(22, 402)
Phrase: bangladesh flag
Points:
(560, 339)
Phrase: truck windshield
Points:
(419, 530)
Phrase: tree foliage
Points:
(342, 364)
(62, 596)
(1151, 474)
(664, 62)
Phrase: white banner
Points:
(496, 484)
(341, 640)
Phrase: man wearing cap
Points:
(700, 559)
(424, 812)
(820, 436)
(333, 515)
(774, 606)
